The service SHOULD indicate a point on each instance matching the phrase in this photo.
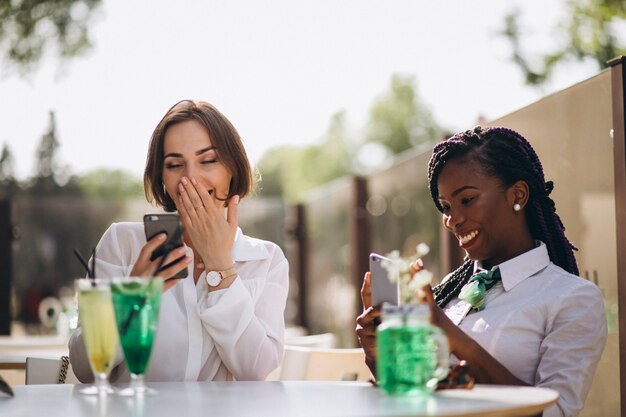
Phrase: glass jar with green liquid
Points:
(412, 354)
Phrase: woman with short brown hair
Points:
(224, 322)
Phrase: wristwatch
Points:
(215, 278)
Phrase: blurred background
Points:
(338, 104)
(318, 91)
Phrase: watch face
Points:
(213, 278)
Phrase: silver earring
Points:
(516, 207)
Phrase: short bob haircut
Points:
(224, 137)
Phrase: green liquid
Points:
(406, 360)
(98, 327)
(136, 303)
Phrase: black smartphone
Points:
(168, 223)
(383, 290)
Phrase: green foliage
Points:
(6, 164)
(290, 171)
(110, 184)
(53, 216)
(591, 32)
(50, 178)
(46, 152)
(8, 183)
(399, 120)
(28, 28)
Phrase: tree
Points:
(50, 177)
(110, 184)
(8, 184)
(6, 164)
(590, 32)
(399, 120)
(290, 171)
(30, 27)
(46, 152)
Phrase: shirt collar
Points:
(248, 249)
(523, 266)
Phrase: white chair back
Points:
(47, 371)
(322, 340)
(320, 364)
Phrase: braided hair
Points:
(505, 154)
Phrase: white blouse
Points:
(236, 333)
(543, 324)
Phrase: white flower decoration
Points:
(399, 268)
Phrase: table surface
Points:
(276, 399)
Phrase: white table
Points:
(277, 399)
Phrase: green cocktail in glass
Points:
(99, 331)
(412, 353)
(136, 303)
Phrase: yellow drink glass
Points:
(99, 330)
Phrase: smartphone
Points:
(383, 290)
(168, 223)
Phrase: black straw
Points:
(91, 272)
(93, 263)
(83, 262)
(132, 313)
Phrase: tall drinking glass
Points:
(136, 303)
(98, 329)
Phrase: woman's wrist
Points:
(221, 262)
(225, 283)
(219, 266)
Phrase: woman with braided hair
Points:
(530, 320)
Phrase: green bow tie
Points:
(474, 291)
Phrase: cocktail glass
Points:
(99, 331)
(136, 303)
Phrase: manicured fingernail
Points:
(184, 180)
(193, 180)
(182, 250)
(162, 236)
(188, 259)
(236, 199)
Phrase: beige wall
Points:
(571, 132)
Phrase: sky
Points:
(277, 69)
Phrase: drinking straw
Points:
(82, 262)
(91, 272)
(132, 312)
(93, 263)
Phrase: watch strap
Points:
(227, 273)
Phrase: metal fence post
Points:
(298, 242)
(5, 267)
(618, 96)
(359, 235)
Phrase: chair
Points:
(323, 364)
(322, 340)
(47, 371)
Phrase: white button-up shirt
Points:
(235, 333)
(545, 325)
